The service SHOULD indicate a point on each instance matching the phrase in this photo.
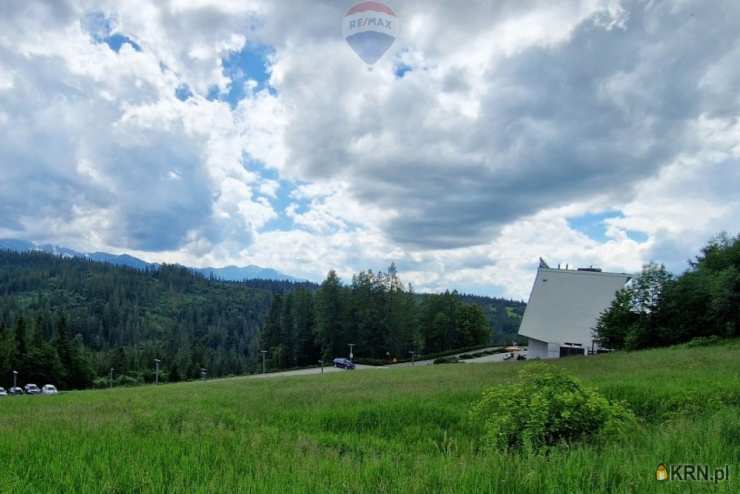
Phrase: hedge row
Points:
(430, 356)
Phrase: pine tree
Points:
(329, 310)
(287, 332)
(7, 351)
(472, 326)
(270, 337)
(21, 339)
(77, 372)
(307, 351)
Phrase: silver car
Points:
(49, 389)
(3, 392)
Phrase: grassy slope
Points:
(402, 430)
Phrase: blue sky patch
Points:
(213, 93)
(283, 197)
(117, 40)
(250, 63)
(593, 225)
(401, 69)
(282, 200)
(183, 92)
(102, 30)
(637, 236)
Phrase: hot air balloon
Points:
(370, 28)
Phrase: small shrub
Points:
(101, 382)
(704, 341)
(446, 360)
(126, 380)
(375, 362)
(546, 407)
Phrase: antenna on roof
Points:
(543, 264)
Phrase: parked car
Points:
(343, 363)
(3, 392)
(49, 389)
(15, 391)
(31, 389)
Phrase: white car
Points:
(3, 392)
(49, 389)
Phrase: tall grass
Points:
(403, 430)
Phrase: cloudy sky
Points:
(215, 132)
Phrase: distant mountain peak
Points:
(251, 272)
(228, 273)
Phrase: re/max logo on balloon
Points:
(371, 22)
(370, 28)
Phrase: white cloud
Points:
(515, 115)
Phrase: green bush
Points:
(426, 356)
(376, 362)
(101, 382)
(545, 408)
(446, 360)
(704, 341)
(126, 380)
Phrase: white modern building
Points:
(564, 307)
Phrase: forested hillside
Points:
(65, 321)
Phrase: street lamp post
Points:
(413, 358)
(15, 378)
(264, 368)
(351, 353)
(156, 371)
(322, 366)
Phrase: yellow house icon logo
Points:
(661, 473)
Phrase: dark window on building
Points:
(566, 351)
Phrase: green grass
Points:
(402, 430)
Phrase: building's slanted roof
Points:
(565, 305)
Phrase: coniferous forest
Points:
(383, 319)
(69, 321)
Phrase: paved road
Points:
(308, 372)
(499, 357)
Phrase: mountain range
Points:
(228, 273)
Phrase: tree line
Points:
(376, 313)
(69, 321)
(660, 309)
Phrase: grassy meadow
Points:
(400, 430)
